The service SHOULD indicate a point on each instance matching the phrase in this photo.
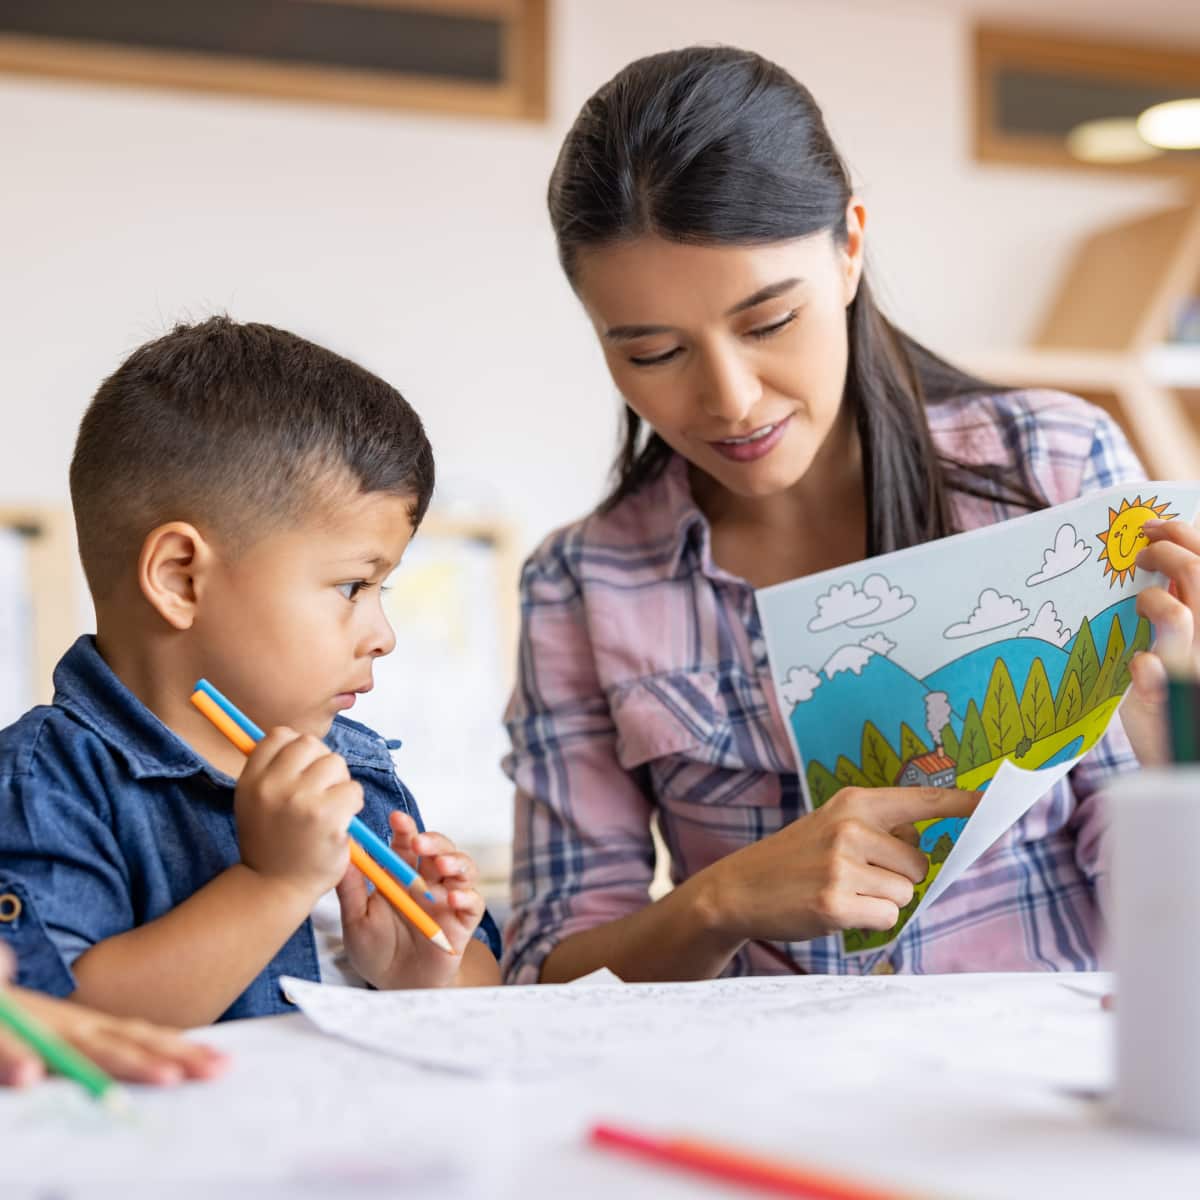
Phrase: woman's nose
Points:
(731, 386)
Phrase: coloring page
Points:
(989, 661)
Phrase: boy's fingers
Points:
(325, 771)
(456, 868)
(352, 895)
(344, 800)
(404, 829)
(299, 754)
(269, 748)
(429, 844)
(466, 903)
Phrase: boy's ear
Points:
(171, 569)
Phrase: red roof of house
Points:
(934, 761)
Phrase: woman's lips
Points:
(755, 445)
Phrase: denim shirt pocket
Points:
(40, 964)
(688, 727)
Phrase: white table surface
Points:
(946, 1108)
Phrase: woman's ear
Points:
(171, 568)
(854, 247)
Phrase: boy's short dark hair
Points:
(235, 428)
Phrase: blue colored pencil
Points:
(375, 846)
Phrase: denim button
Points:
(10, 907)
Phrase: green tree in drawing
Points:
(1084, 661)
(1037, 703)
(1001, 713)
(848, 774)
(973, 747)
(823, 784)
(911, 745)
(1110, 667)
(879, 761)
(1069, 706)
(941, 849)
(1140, 643)
(950, 741)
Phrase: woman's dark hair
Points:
(718, 146)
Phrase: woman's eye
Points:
(765, 331)
(349, 591)
(653, 360)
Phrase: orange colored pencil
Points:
(225, 724)
(399, 899)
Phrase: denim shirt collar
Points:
(86, 686)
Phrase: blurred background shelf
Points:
(1108, 336)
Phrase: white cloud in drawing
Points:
(843, 602)
(880, 643)
(1047, 626)
(1068, 552)
(799, 685)
(993, 611)
(848, 658)
(893, 602)
(876, 603)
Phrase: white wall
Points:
(419, 244)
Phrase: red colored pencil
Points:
(760, 1174)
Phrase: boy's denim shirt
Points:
(108, 820)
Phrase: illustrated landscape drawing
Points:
(933, 666)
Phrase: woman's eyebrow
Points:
(625, 333)
(763, 294)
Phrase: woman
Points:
(776, 425)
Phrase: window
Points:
(1043, 101)
(464, 56)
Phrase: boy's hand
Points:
(293, 805)
(384, 947)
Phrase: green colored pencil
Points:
(59, 1056)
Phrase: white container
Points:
(1155, 913)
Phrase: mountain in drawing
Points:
(831, 723)
(966, 677)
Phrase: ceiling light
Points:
(1111, 140)
(1172, 126)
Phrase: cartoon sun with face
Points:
(1124, 540)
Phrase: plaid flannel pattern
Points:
(644, 692)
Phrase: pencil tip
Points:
(442, 942)
(116, 1100)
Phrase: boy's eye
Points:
(349, 591)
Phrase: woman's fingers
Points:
(1179, 562)
(856, 841)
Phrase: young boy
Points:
(240, 496)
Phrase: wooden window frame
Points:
(1001, 48)
(521, 96)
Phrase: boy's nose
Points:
(382, 639)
